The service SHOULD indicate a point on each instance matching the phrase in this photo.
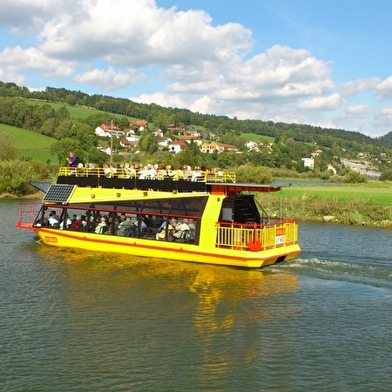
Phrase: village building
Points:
(176, 146)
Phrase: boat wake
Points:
(371, 274)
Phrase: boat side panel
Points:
(167, 250)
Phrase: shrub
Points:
(386, 175)
(15, 176)
(353, 177)
(253, 174)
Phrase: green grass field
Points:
(375, 192)
(76, 111)
(31, 144)
(256, 138)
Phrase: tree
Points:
(62, 147)
(8, 150)
(386, 175)
(63, 113)
(123, 122)
(354, 177)
(96, 156)
(49, 126)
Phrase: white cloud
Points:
(33, 59)
(384, 89)
(359, 85)
(109, 79)
(354, 112)
(322, 103)
(143, 34)
(384, 117)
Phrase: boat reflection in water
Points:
(212, 291)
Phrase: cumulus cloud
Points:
(384, 89)
(384, 117)
(146, 34)
(33, 59)
(322, 103)
(109, 79)
(359, 85)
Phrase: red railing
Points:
(27, 214)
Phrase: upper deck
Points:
(214, 183)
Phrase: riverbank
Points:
(350, 204)
(32, 196)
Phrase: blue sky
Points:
(319, 62)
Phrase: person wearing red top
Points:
(77, 225)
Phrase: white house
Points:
(106, 130)
(308, 162)
(176, 146)
(252, 146)
(164, 142)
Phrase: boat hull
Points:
(167, 250)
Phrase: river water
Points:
(72, 320)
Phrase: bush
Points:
(253, 174)
(386, 175)
(15, 176)
(353, 177)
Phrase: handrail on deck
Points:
(256, 237)
(28, 212)
(127, 173)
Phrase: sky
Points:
(326, 63)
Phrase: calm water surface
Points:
(79, 321)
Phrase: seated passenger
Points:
(129, 171)
(161, 174)
(54, 219)
(144, 173)
(77, 225)
(161, 233)
(124, 225)
(182, 230)
(101, 226)
(138, 228)
(178, 174)
(188, 173)
(80, 170)
(66, 224)
(197, 174)
(169, 171)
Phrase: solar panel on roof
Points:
(59, 193)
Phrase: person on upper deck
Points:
(72, 160)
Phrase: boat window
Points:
(227, 214)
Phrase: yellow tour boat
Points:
(208, 219)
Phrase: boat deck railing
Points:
(27, 213)
(255, 237)
(127, 173)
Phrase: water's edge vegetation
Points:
(350, 204)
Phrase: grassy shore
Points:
(367, 204)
